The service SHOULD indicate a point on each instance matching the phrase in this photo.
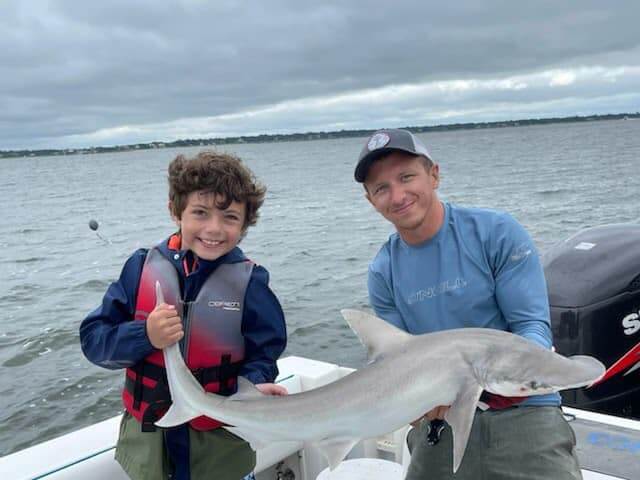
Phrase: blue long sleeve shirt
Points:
(480, 270)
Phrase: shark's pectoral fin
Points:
(177, 415)
(460, 418)
(246, 390)
(334, 450)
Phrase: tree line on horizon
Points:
(292, 137)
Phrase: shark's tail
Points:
(183, 386)
(177, 415)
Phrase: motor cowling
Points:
(593, 281)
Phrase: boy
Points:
(219, 307)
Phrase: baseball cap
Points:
(383, 142)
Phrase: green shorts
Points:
(215, 454)
(532, 443)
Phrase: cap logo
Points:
(379, 140)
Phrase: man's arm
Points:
(381, 300)
(520, 287)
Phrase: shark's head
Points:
(525, 369)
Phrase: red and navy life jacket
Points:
(213, 345)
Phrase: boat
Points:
(593, 282)
(593, 279)
(608, 446)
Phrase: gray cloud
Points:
(69, 72)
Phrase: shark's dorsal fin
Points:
(460, 418)
(334, 450)
(377, 335)
(246, 390)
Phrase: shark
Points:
(406, 376)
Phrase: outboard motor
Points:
(593, 279)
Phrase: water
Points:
(316, 235)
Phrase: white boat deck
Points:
(608, 447)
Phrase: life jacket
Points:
(213, 345)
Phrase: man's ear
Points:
(435, 173)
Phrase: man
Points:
(451, 267)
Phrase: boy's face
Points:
(207, 230)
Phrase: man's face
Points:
(207, 230)
(400, 187)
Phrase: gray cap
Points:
(383, 142)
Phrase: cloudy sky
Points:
(76, 74)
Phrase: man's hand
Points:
(272, 389)
(437, 413)
(164, 326)
(433, 414)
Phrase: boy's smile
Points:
(207, 230)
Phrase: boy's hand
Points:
(272, 389)
(164, 326)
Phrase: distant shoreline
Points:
(293, 137)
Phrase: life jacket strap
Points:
(153, 412)
(137, 387)
(158, 398)
(223, 373)
(226, 372)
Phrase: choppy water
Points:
(316, 236)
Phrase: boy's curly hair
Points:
(219, 173)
